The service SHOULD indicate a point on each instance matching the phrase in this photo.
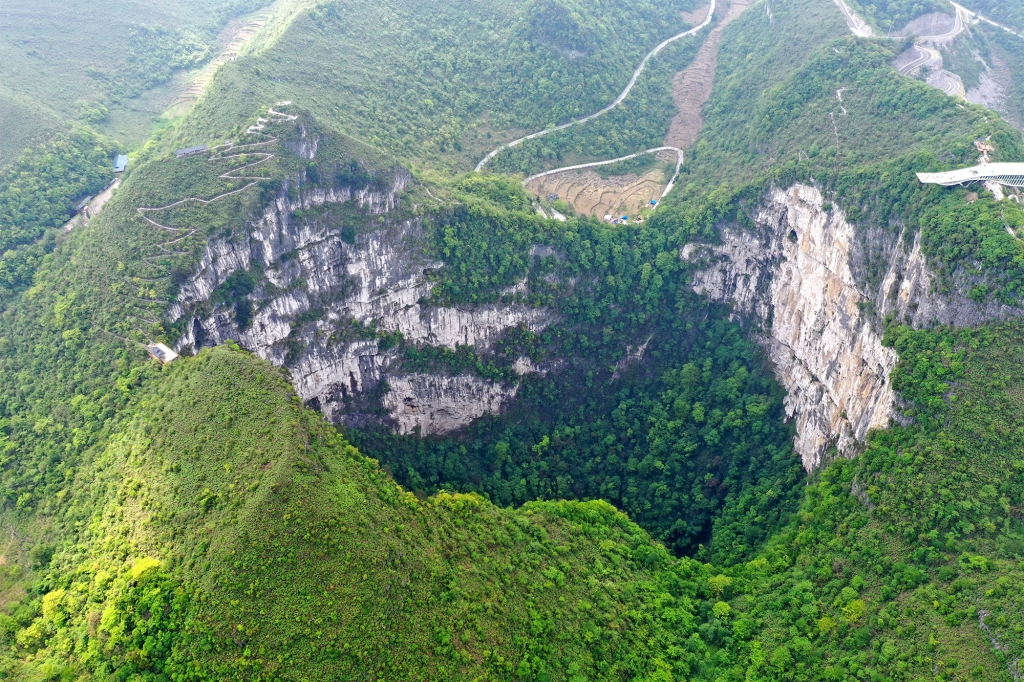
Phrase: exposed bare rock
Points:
(934, 26)
(440, 404)
(380, 282)
(909, 292)
(804, 276)
(633, 356)
(795, 277)
(993, 83)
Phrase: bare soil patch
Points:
(692, 86)
(591, 194)
(697, 15)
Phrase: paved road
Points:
(672, 183)
(958, 27)
(618, 100)
(949, 83)
(857, 26)
(926, 55)
(974, 16)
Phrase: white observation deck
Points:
(1009, 174)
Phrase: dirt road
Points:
(95, 206)
(591, 194)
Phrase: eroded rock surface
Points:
(796, 277)
(319, 297)
(441, 404)
(805, 274)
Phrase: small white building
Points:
(161, 353)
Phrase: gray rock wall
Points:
(379, 281)
(805, 276)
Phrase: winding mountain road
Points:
(949, 83)
(618, 100)
(679, 165)
(925, 56)
(980, 17)
(239, 150)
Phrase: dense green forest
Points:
(459, 82)
(196, 521)
(1007, 13)
(301, 555)
(41, 190)
(151, 57)
(893, 15)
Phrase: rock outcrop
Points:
(438, 404)
(794, 275)
(805, 274)
(321, 302)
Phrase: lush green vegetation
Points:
(696, 454)
(693, 440)
(638, 123)
(221, 517)
(459, 81)
(1006, 13)
(893, 15)
(52, 53)
(974, 240)
(41, 190)
(151, 55)
(224, 531)
(196, 522)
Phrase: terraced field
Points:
(591, 194)
(692, 86)
(233, 39)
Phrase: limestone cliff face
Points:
(795, 276)
(819, 289)
(435, 404)
(316, 291)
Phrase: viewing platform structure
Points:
(1007, 174)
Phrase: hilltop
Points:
(429, 425)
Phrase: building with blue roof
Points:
(120, 163)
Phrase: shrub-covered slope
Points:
(197, 522)
(442, 83)
(224, 531)
(111, 65)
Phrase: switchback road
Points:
(618, 100)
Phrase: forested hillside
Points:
(636, 508)
(108, 65)
(457, 82)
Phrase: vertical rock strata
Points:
(819, 288)
(315, 284)
(795, 276)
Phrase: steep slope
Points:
(443, 84)
(832, 239)
(224, 530)
(185, 517)
(115, 65)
